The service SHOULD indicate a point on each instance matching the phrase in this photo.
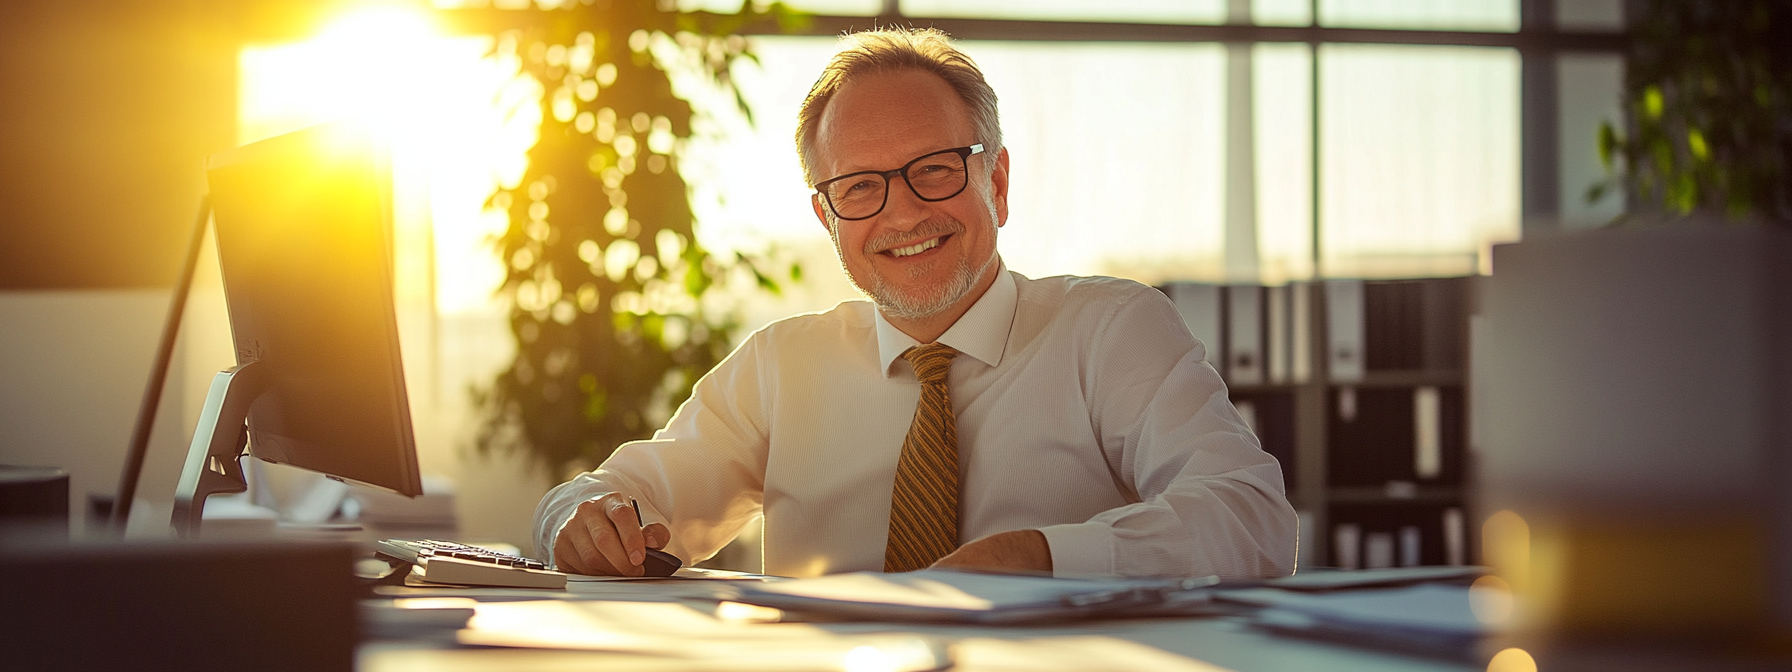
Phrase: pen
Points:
(666, 563)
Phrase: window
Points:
(1419, 148)
(1139, 11)
(1121, 167)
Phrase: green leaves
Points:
(1708, 96)
(1608, 143)
(612, 297)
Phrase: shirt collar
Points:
(982, 332)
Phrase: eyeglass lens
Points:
(934, 177)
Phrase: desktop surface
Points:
(671, 624)
(272, 605)
(1204, 644)
(648, 624)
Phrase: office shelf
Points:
(1381, 379)
(1378, 449)
(1395, 496)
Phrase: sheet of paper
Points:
(1333, 580)
(682, 573)
(948, 596)
(1072, 654)
(938, 589)
(680, 631)
(1423, 608)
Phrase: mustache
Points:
(931, 228)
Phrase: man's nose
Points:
(903, 199)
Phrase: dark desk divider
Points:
(34, 497)
(190, 606)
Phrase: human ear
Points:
(821, 213)
(998, 183)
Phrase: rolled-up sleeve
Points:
(1210, 500)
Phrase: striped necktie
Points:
(924, 499)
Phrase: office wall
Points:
(71, 372)
(73, 363)
(107, 113)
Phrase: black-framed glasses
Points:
(933, 177)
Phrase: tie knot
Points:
(931, 361)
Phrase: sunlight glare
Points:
(455, 113)
(1506, 544)
(868, 659)
(363, 65)
(738, 612)
(1512, 660)
(1491, 599)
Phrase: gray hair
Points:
(899, 48)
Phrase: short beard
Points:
(926, 302)
(895, 304)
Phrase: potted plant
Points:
(616, 307)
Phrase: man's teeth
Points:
(917, 248)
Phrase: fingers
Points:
(606, 530)
(590, 543)
(575, 552)
(628, 528)
(565, 555)
(657, 535)
(604, 537)
(575, 547)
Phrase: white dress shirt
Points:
(1085, 410)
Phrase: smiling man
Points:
(966, 416)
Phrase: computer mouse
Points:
(660, 563)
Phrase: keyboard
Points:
(435, 561)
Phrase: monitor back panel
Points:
(304, 243)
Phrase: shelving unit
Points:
(1349, 437)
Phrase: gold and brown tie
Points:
(924, 500)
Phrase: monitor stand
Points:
(213, 465)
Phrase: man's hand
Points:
(1019, 551)
(603, 537)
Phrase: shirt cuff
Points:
(1080, 549)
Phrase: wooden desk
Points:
(1157, 644)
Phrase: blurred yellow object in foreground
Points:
(1635, 434)
(1592, 578)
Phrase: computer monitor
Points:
(304, 244)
